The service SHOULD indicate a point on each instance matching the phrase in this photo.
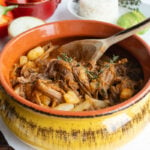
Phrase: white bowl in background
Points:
(73, 8)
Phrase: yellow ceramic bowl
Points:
(59, 130)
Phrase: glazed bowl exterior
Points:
(48, 129)
(42, 9)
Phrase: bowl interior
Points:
(62, 32)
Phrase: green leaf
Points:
(5, 9)
(64, 57)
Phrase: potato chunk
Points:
(23, 60)
(126, 93)
(35, 53)
(64, 106)
(71, 97)
(97, 104)
(82, 106)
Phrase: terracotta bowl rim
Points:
(105, 111)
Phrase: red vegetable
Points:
(5, 17)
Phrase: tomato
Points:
(5, 17)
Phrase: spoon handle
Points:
(107, 42)
(128, 32)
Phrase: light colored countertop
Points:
(142, 141)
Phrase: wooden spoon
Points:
(99, 46)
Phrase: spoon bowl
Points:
(95, 48)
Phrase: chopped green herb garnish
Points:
(97, 84)
(130, 4)
(78, 65)
(103, 91)
(59, 58)
(114, 59)
(64, 57)
(105, 67)
(92, 75)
